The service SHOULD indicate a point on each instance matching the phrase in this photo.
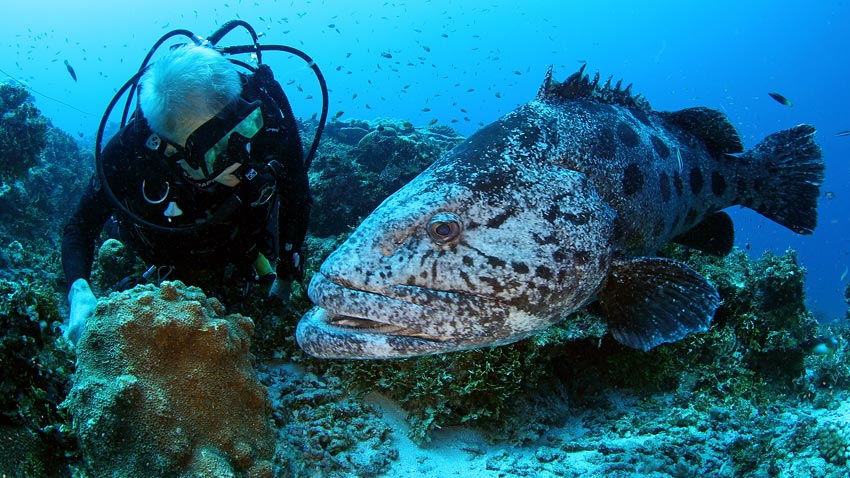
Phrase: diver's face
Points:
(216, 149)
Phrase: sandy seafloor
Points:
(644, 441)
(628, 435)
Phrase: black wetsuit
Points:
(233, 224)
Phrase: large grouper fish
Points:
(559, 204)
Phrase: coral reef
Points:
(324, 430)
(42, 173)
(350, 178)
(36, 366)
(22, 133)
(165, 387)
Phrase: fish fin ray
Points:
(711, 126)
(650, 301)
(579, 85)
(793, 172)
(715, 235)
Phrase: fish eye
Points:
(444, 227)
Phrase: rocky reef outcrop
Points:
(165, 386)
(360, 163)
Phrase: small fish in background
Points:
(781, 99)
(846, 132)
(71, 70)
(829, 195)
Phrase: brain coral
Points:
(165, 387)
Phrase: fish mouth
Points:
(365, 325)
(352, 323)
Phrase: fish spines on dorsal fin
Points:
(547, 83)
(579, 85)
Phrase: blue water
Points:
(486, 57)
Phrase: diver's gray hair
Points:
(185, 88)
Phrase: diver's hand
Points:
(281, 289)
(82, 304)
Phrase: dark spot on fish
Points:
(492, 282)
(542, 240)
(696, 181)
(641, 116)
(627, 135)
(606, 147)
(465, 277)
(718, 183)
(677, 183)
(632, 179)
(520, 268)
(498, 220)
(425, 257)
(660, 147)
(664, 184)
(582, 258)
(543, 272)
(495, 262)
(423, 274)
(467, 261)
(552, 213)
(560, 257)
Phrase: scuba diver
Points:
(207, 181)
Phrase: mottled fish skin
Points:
(547, 199)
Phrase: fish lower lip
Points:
(373, 326)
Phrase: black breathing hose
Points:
(132, 85)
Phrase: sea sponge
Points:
(165, 387)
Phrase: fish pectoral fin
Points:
(712, 127)
(714, 235)
(650, 301)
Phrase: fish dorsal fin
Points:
(650, 301)
(579, 85)
(714, 235)
(712, 127)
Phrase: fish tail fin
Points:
(784, 184)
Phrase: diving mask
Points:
(221, 144)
